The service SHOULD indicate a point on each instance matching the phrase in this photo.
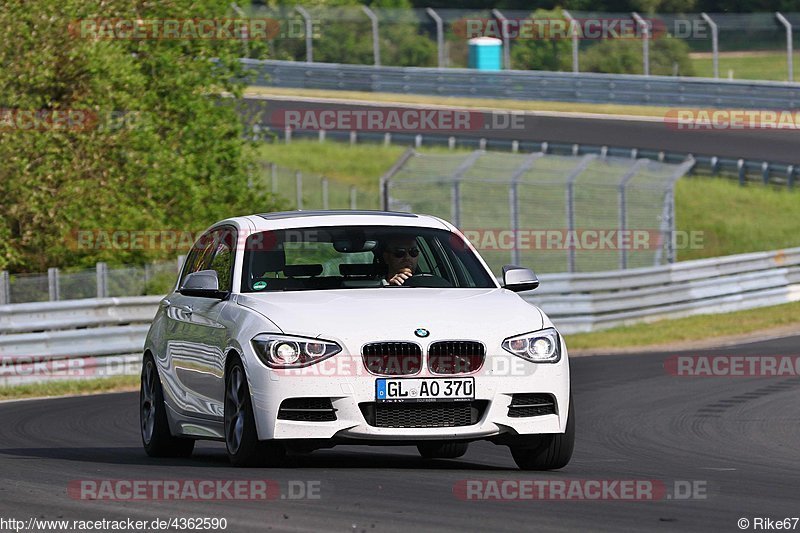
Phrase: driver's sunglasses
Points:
(400, 253)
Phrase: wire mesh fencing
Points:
(99, 282)
(553, 213)
(305, 190)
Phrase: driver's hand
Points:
(401, 277)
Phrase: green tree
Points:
(544, 52)
(164, 151)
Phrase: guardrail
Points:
(598, 300)
(529, 85)
(90, 338)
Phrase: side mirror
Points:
(519, 279)
(203, 283)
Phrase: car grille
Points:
(307, 410)
(525, 405)
(423, 415)
(455, 357)
(392, 358)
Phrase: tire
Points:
(157, 439)
(549, 451)
(442, 450)
(241, 437)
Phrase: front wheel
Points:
(241, 437)
(549, 451)
(157, 439)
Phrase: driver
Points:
(400, 254)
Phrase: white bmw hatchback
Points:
(289, 332)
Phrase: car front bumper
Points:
(348, 391)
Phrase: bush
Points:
(165, 152)
(624, 56)
(542, 53)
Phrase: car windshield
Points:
(352, 257)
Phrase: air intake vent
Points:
(455, 357)
(307, 410)
(423, 415)
(392, 358)
(526, 405)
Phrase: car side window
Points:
(222, 259)
(199, 256)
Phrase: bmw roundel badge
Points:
(421, 332)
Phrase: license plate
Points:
(424, 389)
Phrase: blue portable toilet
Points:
(485, 53)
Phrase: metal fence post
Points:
(789, 59)
(740, 167)
(325, 193)
(513, 201)
(439, 34)
(645, 27)
(102, 280)
(573, 175)
(376, 45)
(504, 33)
(790, 176)
(623, 207)
(180, 262)
(714, 42)
(5, 288)
(455, 193)
(287, 135)
(513, 206)
(386, 178)
(52, 284)
(309, 46)
(573, 30)
(298, 182)
(671, 215)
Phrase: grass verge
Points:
(695, 328)
(361, 165)
(757, 66)
(70, 387)
(735, 219)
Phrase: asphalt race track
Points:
(738, 438)
(774, 145)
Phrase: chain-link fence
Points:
(305, 190)
(554, 213)
(99, 282)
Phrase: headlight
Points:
(539, 347)
(281, 351)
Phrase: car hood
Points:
(353, 315)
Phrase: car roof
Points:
(343, 217)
